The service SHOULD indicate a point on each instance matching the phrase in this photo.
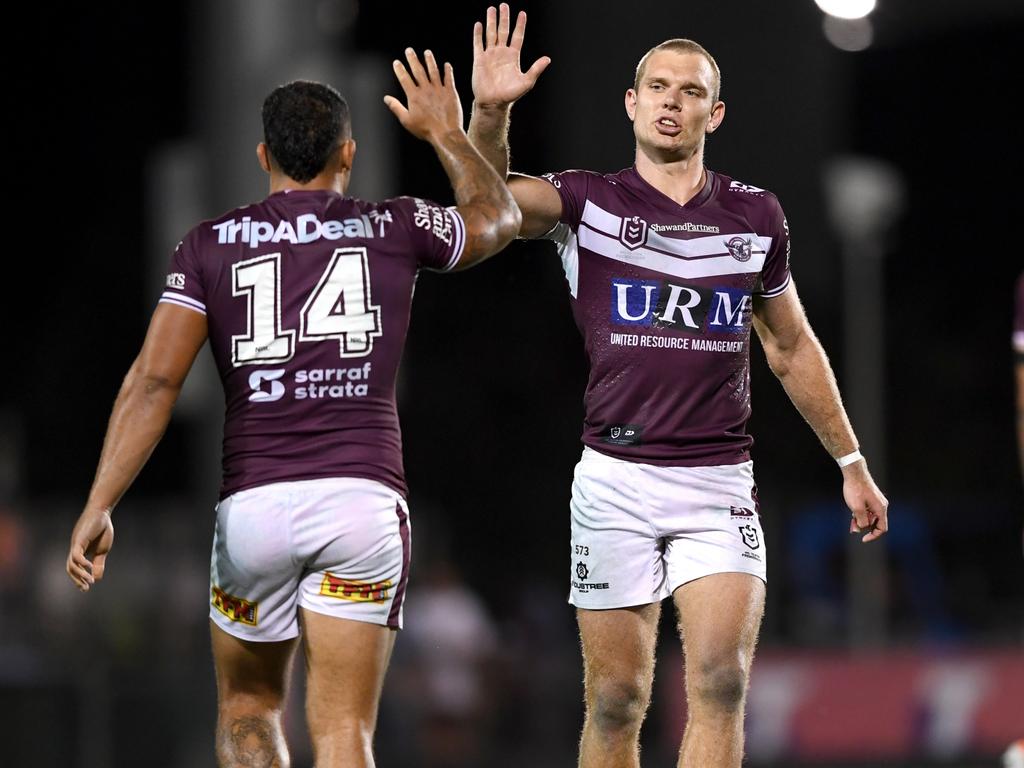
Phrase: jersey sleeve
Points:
(775, 275)
(437, 234)
(184, 285)
(572, 187)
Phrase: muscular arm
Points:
(137, 422)
(484, 202)
(796, 357)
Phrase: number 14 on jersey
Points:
(339, 307)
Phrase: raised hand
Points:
(498, 79)
(433, 107)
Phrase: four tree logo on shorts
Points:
(749, 534)
(356, 591)
(582, 571)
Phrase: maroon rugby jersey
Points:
(307, 296)
(662, 295)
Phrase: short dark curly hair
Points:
(303, 122)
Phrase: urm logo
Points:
(686, 308)
(256, 379)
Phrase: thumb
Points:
(538, 67)
(397, 108)
(99, 563)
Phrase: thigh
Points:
(618, 645)
(358, 537)
(719, 619)
(346, 661)
(251, 670)
(616, 557)
(253, 572)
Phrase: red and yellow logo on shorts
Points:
(235, 608)
(357, 591)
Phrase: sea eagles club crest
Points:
(633, 233)
(739, 248)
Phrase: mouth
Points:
(666, 126)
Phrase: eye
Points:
(692, 92)
(657, 87)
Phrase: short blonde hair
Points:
(682, 45)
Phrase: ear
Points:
(346, 154)
(631, 104)
(716, 118)
(263, 155)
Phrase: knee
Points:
(720, 685)
(617, 706)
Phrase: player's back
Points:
(307, 296)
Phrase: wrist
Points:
(850, 458)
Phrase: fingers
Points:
(79, 568)
(404, 78)
(519, 32)
(418, 73)
(99, 564)
(449, 76)
(503, 23)
(492, 27)
(478, 39)
(432, 73)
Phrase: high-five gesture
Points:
(498, 79)
(433, 107)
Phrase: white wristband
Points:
(850, 458)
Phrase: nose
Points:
(670, 99)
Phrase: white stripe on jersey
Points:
(565, 240)
(183, 301)
(776, 291)
(709, 266)
(460, 238)
(600, 220)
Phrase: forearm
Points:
(484, 200)
(138, 420)
(808, 379)
(488, 132)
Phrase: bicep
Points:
(174, 338)
(539, 201)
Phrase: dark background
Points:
(493, 375)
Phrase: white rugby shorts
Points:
(639, 531)
(337, 546)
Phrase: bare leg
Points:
(719, 618)
(251, 687)
(618, 664)
(346, 661)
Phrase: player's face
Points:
(672, 108)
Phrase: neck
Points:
(334, 182)
(679, 178)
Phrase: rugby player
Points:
(305, 299)
(668, 265)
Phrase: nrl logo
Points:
(633, 233)
(739, 248)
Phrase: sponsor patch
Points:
(749, 534)
(741, 512)
(235, 608)
(356, 591)
(623, 434)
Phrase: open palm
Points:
(498, 78)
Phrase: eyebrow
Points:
(685, 86)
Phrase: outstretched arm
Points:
(434, 114)
(498, 82)
(795, 355)
(139, 418)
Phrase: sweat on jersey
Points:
(307, 296)
(662, 293)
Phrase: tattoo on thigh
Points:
(250, 741)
